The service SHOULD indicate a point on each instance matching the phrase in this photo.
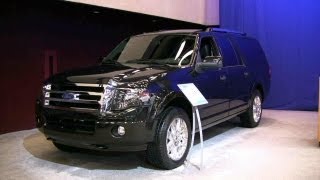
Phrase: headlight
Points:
(116, 98)
(106, 99)
(126, 97)
(123, 98)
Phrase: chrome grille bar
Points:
(74, 97)
(73, 101)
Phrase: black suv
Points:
(131, 101)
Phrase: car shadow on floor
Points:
(37, 145)
(226, 126)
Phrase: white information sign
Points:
(195, 98)
(193, 94)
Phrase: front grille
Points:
(74, 96)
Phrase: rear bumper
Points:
(60, 126)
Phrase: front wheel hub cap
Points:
(177, 139)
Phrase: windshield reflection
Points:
(156, 49)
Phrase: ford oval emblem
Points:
(70, 96)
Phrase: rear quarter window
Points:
(249, 50)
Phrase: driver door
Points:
(212, 82)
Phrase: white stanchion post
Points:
(196, 115)
(196, 99)
(201, 136)
(193, 130)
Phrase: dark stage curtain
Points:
(289, 32)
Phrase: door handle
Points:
(223, 77)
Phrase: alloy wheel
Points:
(257, 110)
(177, 139)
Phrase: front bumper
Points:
(93, 131)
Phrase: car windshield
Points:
(163, 49)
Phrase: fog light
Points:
(121, 130)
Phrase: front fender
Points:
(161, 102)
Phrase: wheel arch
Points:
(183, 103)
(259, 87)
(174, 100)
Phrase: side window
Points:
(208, 50)
(229, 55)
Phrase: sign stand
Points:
(195, 98)
(196, 115)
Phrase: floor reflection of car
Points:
(131, 102)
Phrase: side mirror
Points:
(210, 62)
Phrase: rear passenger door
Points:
(238, 75)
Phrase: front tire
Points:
(251, 118)
(172, 139)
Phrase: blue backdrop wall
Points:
(289, 32)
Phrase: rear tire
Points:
(251, 118)
(172, 139)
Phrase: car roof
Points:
(194, 31)
(177, 31)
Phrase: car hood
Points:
(102, 74)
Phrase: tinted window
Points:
(228, 53)
(208, 48)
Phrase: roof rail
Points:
(210, 29)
